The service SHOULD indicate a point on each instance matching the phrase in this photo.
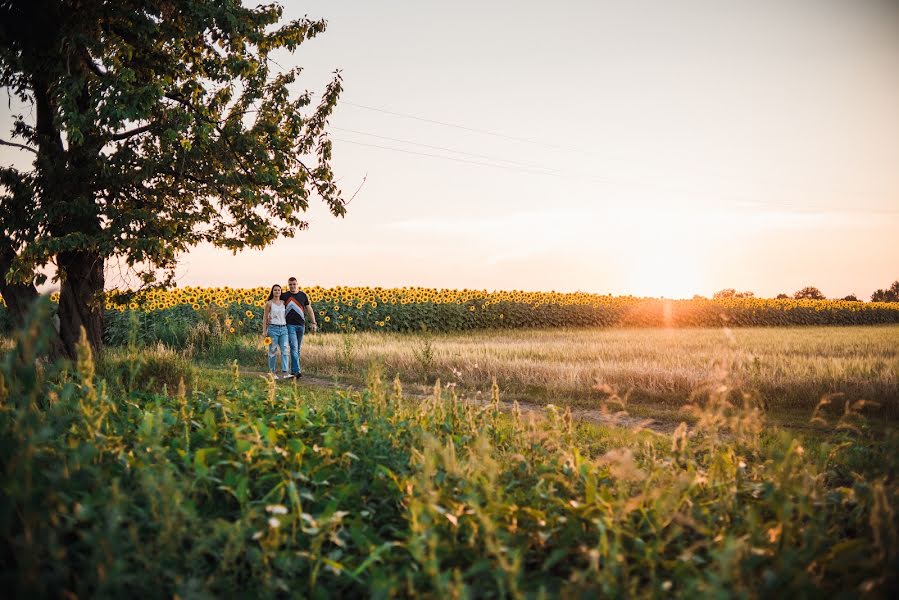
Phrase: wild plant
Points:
(345, 352)
(423, 351)
(235, 486)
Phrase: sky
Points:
(648, 148)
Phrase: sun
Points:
(665, 259)
(669, 274)
(659, 252)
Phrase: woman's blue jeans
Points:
(278, 333)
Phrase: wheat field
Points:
(786, 368)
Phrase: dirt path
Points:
(421, 392)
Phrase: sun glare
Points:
(669, 274)
(665, 253)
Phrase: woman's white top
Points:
(276, 315)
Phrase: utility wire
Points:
(525, 168)
(533, 167)
(455, 126)
(559, 173)
(392, 139)
(530, 167)
(461, 160)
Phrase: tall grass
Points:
(154, 368)
(247, 488)
(791, 368)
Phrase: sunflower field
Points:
(173, 315)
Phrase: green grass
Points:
(240, 487)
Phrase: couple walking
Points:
(284, 321)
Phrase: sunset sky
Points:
(647, 148)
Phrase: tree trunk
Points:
(18, 296)
(81, 302)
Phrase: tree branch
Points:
(91, 65)
(199, 114)
(15, 145)
(18, 296)
(127, 134)
(320, 186)
(357, 190)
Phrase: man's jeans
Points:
(295, 338)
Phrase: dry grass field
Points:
(785, 368)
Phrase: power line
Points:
(393, 139)
(533, 167)
(440, 156)
(543, 170)
(556, 172)
(561, 174)
(455, 126)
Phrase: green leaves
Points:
(177, 130)
(203, 458)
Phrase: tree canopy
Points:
(154, 125)
(809, 293)
(891, 294)
(731, 293)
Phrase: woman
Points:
(274, 325)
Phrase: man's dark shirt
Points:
(295, 305)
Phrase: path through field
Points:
(527, 409)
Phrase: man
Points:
(297, 308)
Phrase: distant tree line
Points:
(891, 294)
(732, 293)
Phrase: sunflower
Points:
(267, 341)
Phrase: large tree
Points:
(153, 125)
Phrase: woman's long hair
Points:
(271, 294)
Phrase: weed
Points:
(423, 351)
(344, 353)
